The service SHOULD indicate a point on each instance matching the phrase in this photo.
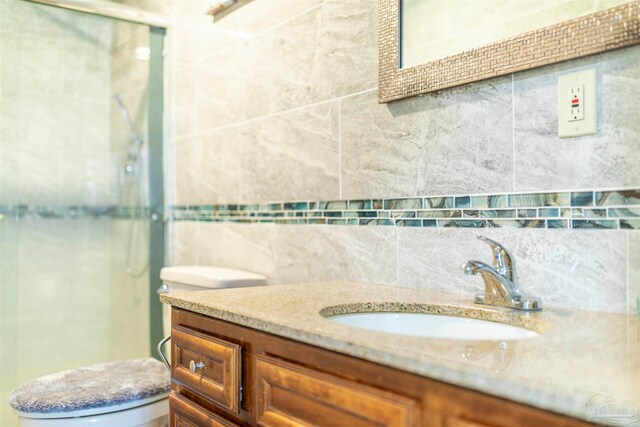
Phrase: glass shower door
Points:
(74, 193)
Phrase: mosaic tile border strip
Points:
(557, 210)
(73, 212)
(601, 31)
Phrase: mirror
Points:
(427, 45)
(462, 25)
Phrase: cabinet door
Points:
(208, 366)
(185, 413)
(291, 395)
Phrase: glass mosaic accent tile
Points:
(594, 210)
(438, 202)
(74, 212)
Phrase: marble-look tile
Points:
(328, 52)
(182, 99)
(569, 269)
(9, 147)
(261, 15)
(223, 159)
(183, 243)
(235, 84)
(85, 69)
(607, 159)
(633, 292)
(456, 141)
(188, 165)
(292, 156)
(194, 38)
(11, 60)
(315, 253)
(250, 247)
(208, 167)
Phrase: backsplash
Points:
(577, 210)
(278, 102)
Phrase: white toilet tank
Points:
(202, 278)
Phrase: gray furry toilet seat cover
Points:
(91, 387)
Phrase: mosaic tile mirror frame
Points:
(608, 29)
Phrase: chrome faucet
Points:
(500, 280)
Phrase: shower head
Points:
(125, 114)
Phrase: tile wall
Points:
(277, 102)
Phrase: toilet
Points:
(129, 393)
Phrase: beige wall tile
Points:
(585, 269)
(292, 156)
(316, 253)
(607, 159)
(328, 52)
(457, 141)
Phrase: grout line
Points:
(513, 130)
(340, 148)
(268, 116)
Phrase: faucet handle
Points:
(503, 262)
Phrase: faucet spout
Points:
(500, 280)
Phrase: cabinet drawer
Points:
(185, 413)
(291, 395)
(208, 366)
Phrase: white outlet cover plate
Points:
(567, 127)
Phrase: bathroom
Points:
(281, 138)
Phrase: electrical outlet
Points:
(576, 96)
(577, 104)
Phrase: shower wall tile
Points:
(607, 159)
(127, 72)
(455, 141)
(585, 271)
(343, 59)
(62, 264)
(9, 147)
(291, 156)
(129, 293)
(11, 59)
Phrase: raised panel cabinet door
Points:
(207, 366)
(185, 413)
(291, 395)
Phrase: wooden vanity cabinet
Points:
(252, 378)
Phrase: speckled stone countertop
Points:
(581, 361)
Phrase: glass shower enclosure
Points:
(81, 219)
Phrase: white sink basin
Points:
(434, 326)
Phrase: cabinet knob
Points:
(193, 366)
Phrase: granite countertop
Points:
(582, 359)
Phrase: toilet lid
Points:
(93, 390)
